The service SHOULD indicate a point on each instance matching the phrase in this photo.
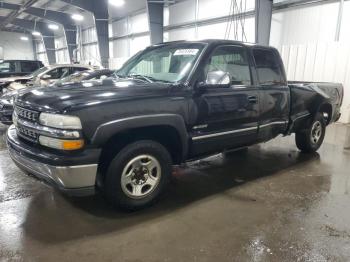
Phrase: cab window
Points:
(58, 73)
(7, 67)
(78, 69)
(28, 67)
(232, 60)
(267, 67)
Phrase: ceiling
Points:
(130, 7)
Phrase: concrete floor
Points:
(269, 204)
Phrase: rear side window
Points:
(78, 69)
(267, 67)
(28, 67)
(58, 73)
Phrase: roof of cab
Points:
(212, 41)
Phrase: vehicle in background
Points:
(43, 77)
(6, 100)
(18, 67)
(174, 102)
(10, 69)
(99, 74)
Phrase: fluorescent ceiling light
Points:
(117, 3)
(53, 26)
(36, 33)
(77, 17)
(24, 38)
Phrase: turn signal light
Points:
(72, 144)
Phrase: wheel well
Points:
(326, 110)
(171, 141)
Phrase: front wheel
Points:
(311, 139)
(137, 175)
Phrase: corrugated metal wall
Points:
(189, 12)
(41, 53)
(62, 56)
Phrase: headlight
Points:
(60, 121)
(61, 144)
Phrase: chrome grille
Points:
(27, 133)
(26, 114)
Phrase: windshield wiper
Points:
(146, 78)
(142, 77)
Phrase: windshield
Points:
(171, 63)
(77, 77)
(38, 72)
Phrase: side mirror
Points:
(218, 78)
(45, 77)
(215, 79)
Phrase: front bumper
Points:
(77, 179)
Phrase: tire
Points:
(137, 175)
(311, 139)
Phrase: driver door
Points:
(228, 113)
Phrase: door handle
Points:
(252, 99)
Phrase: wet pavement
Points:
(270, 203)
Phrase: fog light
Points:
(61, 144)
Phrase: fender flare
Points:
(107, 130)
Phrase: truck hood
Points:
(15, 78)
(73, 97)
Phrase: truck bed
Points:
(306, 97)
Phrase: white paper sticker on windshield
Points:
(186, 52)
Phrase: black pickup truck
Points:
(170, 103)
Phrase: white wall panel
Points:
(129, 25)
(182, 34)
(304, 25)
(121, 48)
(124, 48)
(219, 8)
(345, 28)
(139, 43)
(91, 55)
(218, 31)
(120, 27)
(14, 48)
(89, 35)
(60, 42)
(182, 12)
(139, 23)
(40, 47)
(320, 62)
(43, 58)
(62, 56)
(166, 16)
